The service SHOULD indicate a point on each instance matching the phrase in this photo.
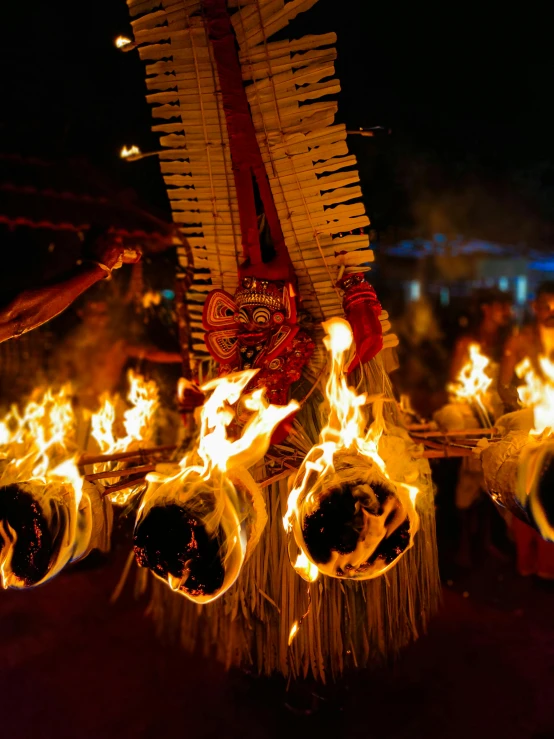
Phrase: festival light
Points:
(130, 153)
(122, 41)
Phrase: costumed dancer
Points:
(253, 156)
(484, 344)
(535, 556)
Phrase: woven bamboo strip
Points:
(250, 55)
(273, 24)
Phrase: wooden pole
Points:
(123, 485)
(120, 473)
(459, 432)
(86, 459)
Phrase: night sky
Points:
(466, 95)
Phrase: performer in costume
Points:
(241, 146)
(535, 556)
(473, 508)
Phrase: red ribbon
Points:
(362, 310)
(245, 151)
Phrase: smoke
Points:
(462, 197)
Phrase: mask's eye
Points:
(261, 316)
(242, 316)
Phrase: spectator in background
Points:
(478, 521)
(534, 555)
(422, 357)
(532, 341)
(492, 326)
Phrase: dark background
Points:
(465, 91)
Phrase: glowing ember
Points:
(200, 519)
(538, 394)
(126, 153)
(122, 41)
(349, 518)
(40, 485)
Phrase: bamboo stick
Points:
(123, 485)
(448, 452)
(120, 473)
(279, 476)
(87, 459)
(459, 432)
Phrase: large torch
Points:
(49, 516)
(351, 513)
(199, 520)
(519, 469)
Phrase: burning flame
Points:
(295, 628)
(217, 464)
(215, 449)
(37, 453)
(33, 443)
(472, 381)
(126, 153)
(122, 41)
(346, 431)
(305, 568)
(538, 394)
(137, 422)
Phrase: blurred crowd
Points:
(431, 355)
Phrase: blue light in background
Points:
(445, 296)
(168, 294)
(521, 290)
(503, 284)
(546, 265)
(414, 290)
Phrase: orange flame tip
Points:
(538, 394)
(126, 153)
